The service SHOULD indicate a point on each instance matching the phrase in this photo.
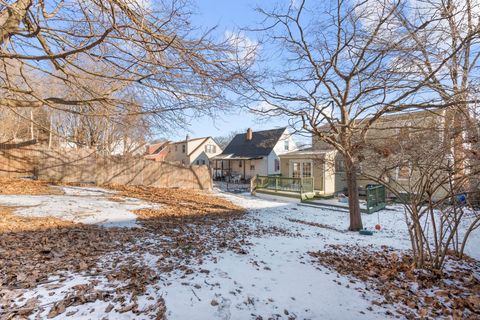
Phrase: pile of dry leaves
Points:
(32, 249)
(181, 203)
(415, 293)
(187, 228)
(25, 186)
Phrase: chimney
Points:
(187, 137)
(249, 135)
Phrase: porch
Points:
(312, 164)
(236, 169)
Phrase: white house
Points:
(253, 153)
(197, 151)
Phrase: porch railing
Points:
(301, 186)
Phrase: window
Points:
(240, 164)
(306, 169)
(210, 148)
(339, 165)
(300, 169)
(252, 167)
(175, 147)
(285, 145)
(197, 162)
(203, 161)
(296, 170)
(184, 147)
(277, 165)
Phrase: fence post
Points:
(276, 184)
(253, 183)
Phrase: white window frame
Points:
(275, 163)
(210, 148)
(300, 162)
(303, 169)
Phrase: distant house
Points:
(387, 136)
(254, 153)
(157, 151)
(197, 151)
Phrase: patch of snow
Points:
(87, 191)
(275, 278)
(80, 205)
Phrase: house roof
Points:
(392, 116)
(306, 153)
(199, 146)
(156, 147)
(261, 145)
(189, 140)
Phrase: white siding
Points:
(278, 150)
(199, 153)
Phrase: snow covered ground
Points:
(87, 205)
(273, 278)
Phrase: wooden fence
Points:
(61, 165)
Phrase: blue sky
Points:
(228, 16)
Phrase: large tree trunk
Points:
(353, 200)
(11, 18)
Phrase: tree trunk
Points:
(10, 19)
(50, 134)
(353, 200)
(32, 133)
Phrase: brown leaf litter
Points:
(415, 293)
(11, 186)
(187, 228)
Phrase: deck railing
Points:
(285, 184)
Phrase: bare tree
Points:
(408, 155)
(345, 64)
(224, 140)
(336, 78)
(95, 51)
(453, 30)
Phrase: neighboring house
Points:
(197, 151)
(388, 135)
(157, 151)
(254, 153)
